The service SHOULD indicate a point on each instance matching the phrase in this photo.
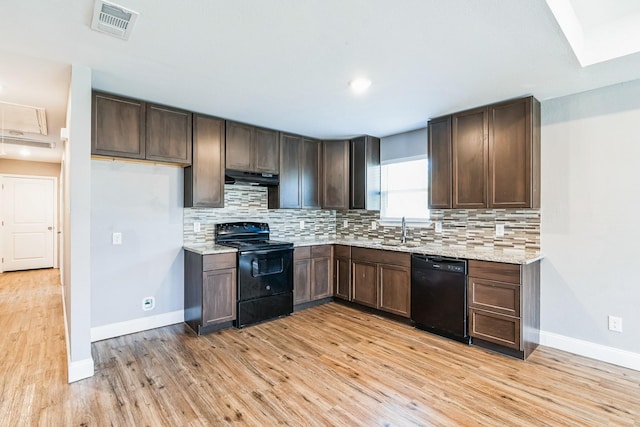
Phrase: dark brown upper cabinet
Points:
(335, 161)
(300, 174)
(118, 126)
(128, 128)
(204, 179)
(514, 154)
(168, 137)
(311, 174)
(470, 152)
(439, 154)
(494, 157)
(364, 173)
(251, 149)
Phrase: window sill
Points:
(414, 223)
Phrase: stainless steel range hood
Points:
(232, 176)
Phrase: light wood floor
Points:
(329, 365)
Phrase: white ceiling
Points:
(285, 64)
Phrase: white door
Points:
(28, 222)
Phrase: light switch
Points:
(301, 225)
(499, 230)
(116, 238)
(438, 227)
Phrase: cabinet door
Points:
(239, 138)
(335, 174)
(168, 135)
(439, 154)
(204, 180)
(218, 296)
(311, 174)
(289, 188)
(510, 154)
(266, 151)
(365, 283)
(364, 173)
(395, 289)
(470, 159)
(301, 280)
(320, 278)
(342, 278)
(118, 126)
(357, 173)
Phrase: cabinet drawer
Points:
(320, 251)
(494, 327)
(500, 272)
(341, 251)
(303, 252)
(218, 261)
(494, 296)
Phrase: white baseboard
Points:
(600, 352)
(80, 369)
(112, 330)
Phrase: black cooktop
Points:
(247, 236)
(257, 244)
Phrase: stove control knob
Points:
(268, 287)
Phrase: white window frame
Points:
(396, 221)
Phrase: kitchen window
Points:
(404, 191)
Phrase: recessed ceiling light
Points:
(360, 85)
(24, 152)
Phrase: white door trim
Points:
(55, 214)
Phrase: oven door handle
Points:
(265, 252)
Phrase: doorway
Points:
(29, 222)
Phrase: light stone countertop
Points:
(506, 255)
(209, 249)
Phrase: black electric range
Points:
(265, 271)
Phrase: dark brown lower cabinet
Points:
(504, 306)
(311, 273)
(342, 272)
(209, 291)
(382, 280)
(365, 282)
(395, 289)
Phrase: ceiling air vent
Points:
(20, 119)
(113, 19)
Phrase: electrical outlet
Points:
(196, 227)
(301, 225)
(374, 225)
(615, 324)
(148, 303)
(438, 227)
(499, 230)
(345, 223)
(116, 238)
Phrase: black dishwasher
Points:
(439, 296)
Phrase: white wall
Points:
(590, 230)
(144, 203)
(75, 234)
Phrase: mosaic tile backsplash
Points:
(460, 227)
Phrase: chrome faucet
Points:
(403, 238)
